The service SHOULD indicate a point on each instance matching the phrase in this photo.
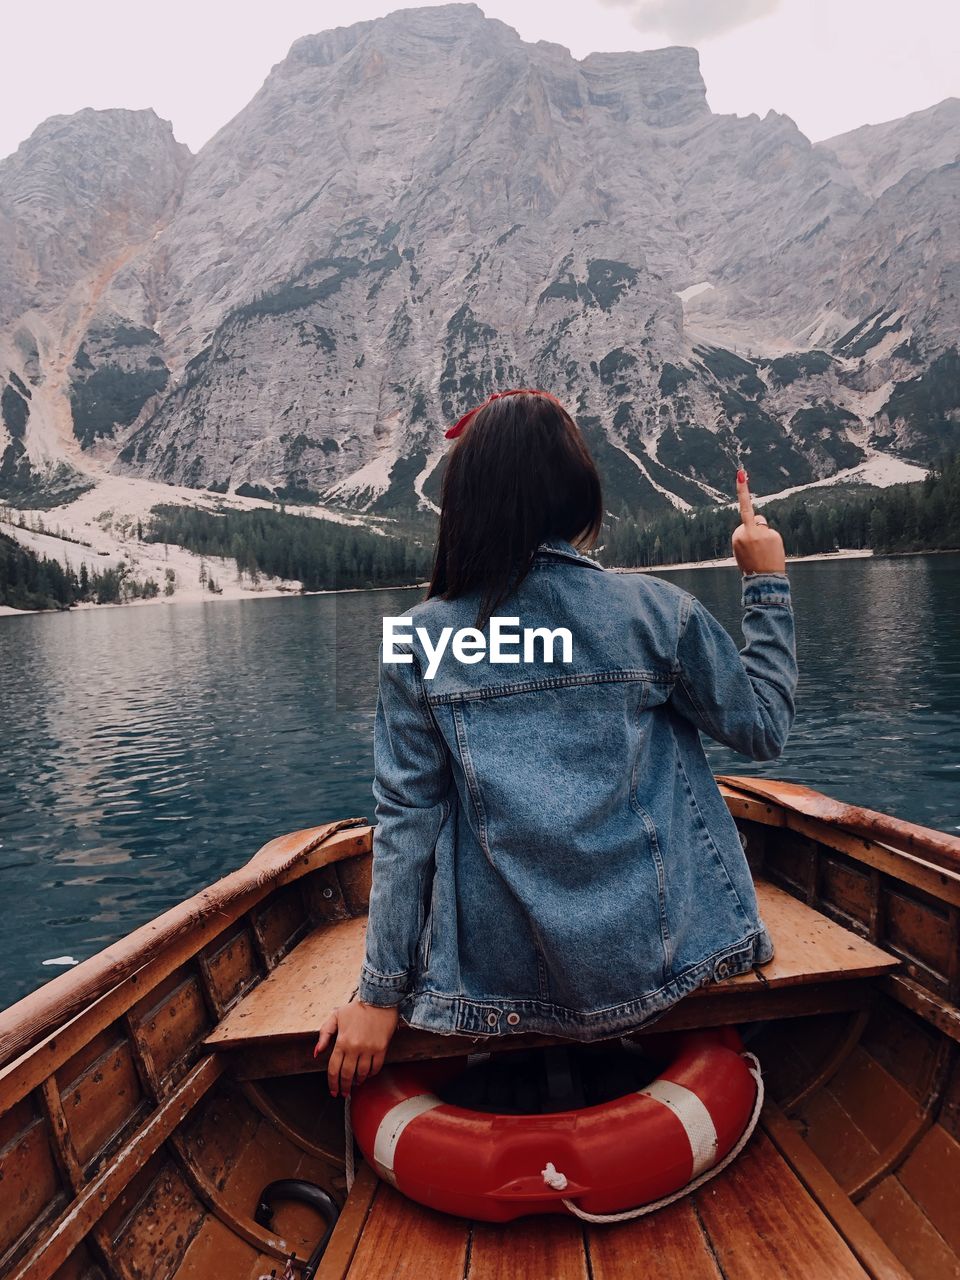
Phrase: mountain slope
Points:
(415, 211)
(878, 155)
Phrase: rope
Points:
(348, 1144)
(557, 1181)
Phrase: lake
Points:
(148, 750)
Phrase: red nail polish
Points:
(741, 476)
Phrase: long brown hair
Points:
(519, 474)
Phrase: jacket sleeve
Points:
(411, 784)
(743, 699)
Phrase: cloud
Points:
(689, 21)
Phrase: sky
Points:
(831, 65)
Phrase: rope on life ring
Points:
(557, 1180)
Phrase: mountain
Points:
(877, 156)
(417, 210)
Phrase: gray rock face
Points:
(416, 211)
(80, 191)
(879, 155)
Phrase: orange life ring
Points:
(631, 1151)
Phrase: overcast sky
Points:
(829, 64)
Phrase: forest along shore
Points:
(84, 556)
(135, 542)
(295, 591)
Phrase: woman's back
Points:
(587, 872)
(552, 852)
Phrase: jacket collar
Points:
(565, 551)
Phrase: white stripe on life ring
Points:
(695, 1118)
(392, 1126)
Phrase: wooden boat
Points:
(149, 1095)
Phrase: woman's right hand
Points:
(756, 547)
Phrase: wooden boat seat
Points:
(756, 1219)
(819, 966)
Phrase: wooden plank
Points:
(663, 1246)
(873, 1253)
(181, 930)
(153, 1238)
(923, 842)
(939, 882)
(837, 1141)
(208, 1193)
(345, 1236)
(216, 1251)
(322, 971)
(89, 1207)
(294, 999)
(295, 1057)
(909, 1232)
(883, 1108)
(939, 1013)
(175, 1026)
(922, 932)
(32, 1188)
(69, 1164)
(761, 1222)
(292, 1056)
(231, 967)
(264, 1105)
(811, 948)
(402, 1240)
(544, 1246)
(931, 1175)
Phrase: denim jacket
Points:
(552, 851)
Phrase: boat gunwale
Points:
(907, 838)
(68, 1011)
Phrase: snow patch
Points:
(880, 470)
(887, 343)
(373, 478)
(869, 404)
(680, 503)
(432, 461)
(694, 290)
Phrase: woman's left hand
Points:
(362, 1033)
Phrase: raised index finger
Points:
(744, 499)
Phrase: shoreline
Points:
(182, 598)
(102, 528)
(728, 562)
(862, 553)
(277, 593)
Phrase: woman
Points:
(553, 853)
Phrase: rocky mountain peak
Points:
(415, 211)
(80, 189)
(663, 87)
(877, 156)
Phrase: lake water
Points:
(147, 751)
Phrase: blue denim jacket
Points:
(553, 853)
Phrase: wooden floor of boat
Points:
(754, 1221)
(813, 954)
